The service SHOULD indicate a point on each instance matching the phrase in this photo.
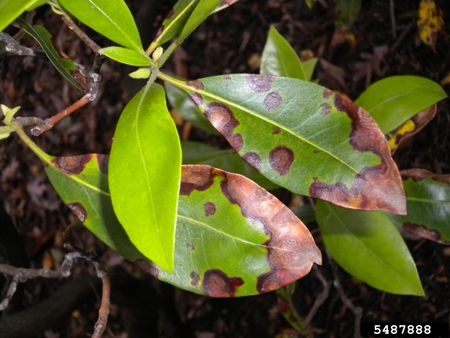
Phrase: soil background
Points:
(34, 222)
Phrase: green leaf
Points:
(141, 73)
(236, 239)
(175, 21)
(228, 160)
(369, 247)
(11, 9)
(226, 244)
(428, 198)
(144, 175)
(5, 132)
(8, 113)
(43, 37)
(127, 56)
(410, 128)
(309, 66)
(203, 9)
(394, 100)
(82, 183)
(308, 139)
(187, 109)
(111, 18)
(279, 58)
(348, 11)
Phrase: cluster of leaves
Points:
(219, 233)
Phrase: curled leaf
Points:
(410, 128)
(428, 199)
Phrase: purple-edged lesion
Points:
(273, 101)
(254, 160)
(291, 250)
(210, 209)
(217, 284)
(196, 177)
(281, 159)
(260, 83)
(72, 165)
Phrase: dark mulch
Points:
(229, 42)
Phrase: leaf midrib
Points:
(244, 109)
(116, 25)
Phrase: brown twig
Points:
(392, 15)
(81, 35)
(356, 310)
(21, 275)
(91, 95)
(321, 298)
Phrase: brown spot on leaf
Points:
(217, 284)
(327, 93)
(376, 188)
(197, 98)
(72, 165)
(210, 208)
(273, 100)
(254, 160)
(195, 278)
(103, 161)
(195, 177)
(222, 118)
(260, 83)
(276, 131)
(291, 248)
(79, 211)
(227, 77)
(325, 108)
(195, 84)
(417, 232)
(281, 159)
(237, 142)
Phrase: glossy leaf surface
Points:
(175, 21)
(144, 175)
(309, 140)
(369, 247)
(111, 18)
(279, 58)
(187, 109)
(11, 9)
(201, 11)
(410, 128)
(394, 100)
(225, 159)
(235, 238)
(428, 197)
(126, 56)
(65, 67)
(226, 246)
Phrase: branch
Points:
(321, 298)
(21, 275)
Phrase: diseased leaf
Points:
(127, 56)
(228, 160)
(42, 36)
(396, 99)
(410, 128)
(279, 58)
(310, 140)
(187, 109)
(224, 4)
(201, 11)
(11, 9)
(369, 247)
(226, 244)
(234, 238)
(144, 175)
(111, 18)
(82, 183)
(428, 198)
